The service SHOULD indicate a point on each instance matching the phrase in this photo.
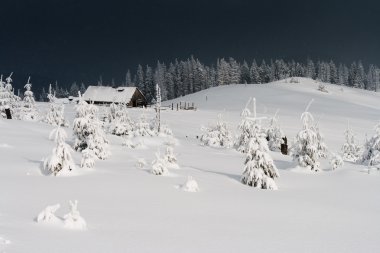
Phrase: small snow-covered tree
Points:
(351, 151)
(73, 220)
(371, 154)
(305, 147)
(87, 124)
(321, 146)
(191, 185)
(244, 127)
(142, 127)
(274, 134)
(88, 159)
(159, 165)
(218, 135)
(170, 158)
(259, 168)
(60, 162)
(336, 161)
(122, 123)
(55, 114)
(28, 111)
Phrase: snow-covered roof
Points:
(109, 94)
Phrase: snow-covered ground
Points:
(128, 209)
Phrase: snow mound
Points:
(4, 241)
(4, 145)
(190, 185)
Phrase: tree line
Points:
(184, 77)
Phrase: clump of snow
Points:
(190, 185)
(73, 220)
(47, 216)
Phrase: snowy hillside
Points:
(128, 209)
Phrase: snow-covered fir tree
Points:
(305, 147)
(60, 162)
(322, 151)
(351, 151)
(159, 165)
(48, 215)
(259, 168)
(28, 110)
(55, 114)
(218, 135)
(8, 99)
(274, 134)
(371, 154)
(88, 159)
(158, 108)
(143, 127)
(87, 124)
(121, 124)
(241, 143)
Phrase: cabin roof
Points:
(109, 94)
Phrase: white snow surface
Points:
(128, 209)
(109, 94)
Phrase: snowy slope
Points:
(130, 210)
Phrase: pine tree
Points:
(255, 73)
(371, 154)
(274, 134)
(170, 158)
(259, 168)
(351, 151)
(60, 162)
(245, 126)
(28, 111)
(305, 148)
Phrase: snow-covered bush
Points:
(371, 154)
(159, 166)
(218, 135)
(259, 168)
(88, 159)
(143, 127)
(322, 87)
(170, 158)
(60, 162)
(190, 185)
(274, 134)
(351, 151)
(87, 127)
(336, 161)
(121, 124)
(127, 142)
(48, 216)
(73, 220)
(165, 130)
(305, 147)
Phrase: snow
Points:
(128, 209)
(109, 94)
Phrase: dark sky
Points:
(79, 40)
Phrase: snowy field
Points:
(128, 209)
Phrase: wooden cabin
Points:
(131, 96)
